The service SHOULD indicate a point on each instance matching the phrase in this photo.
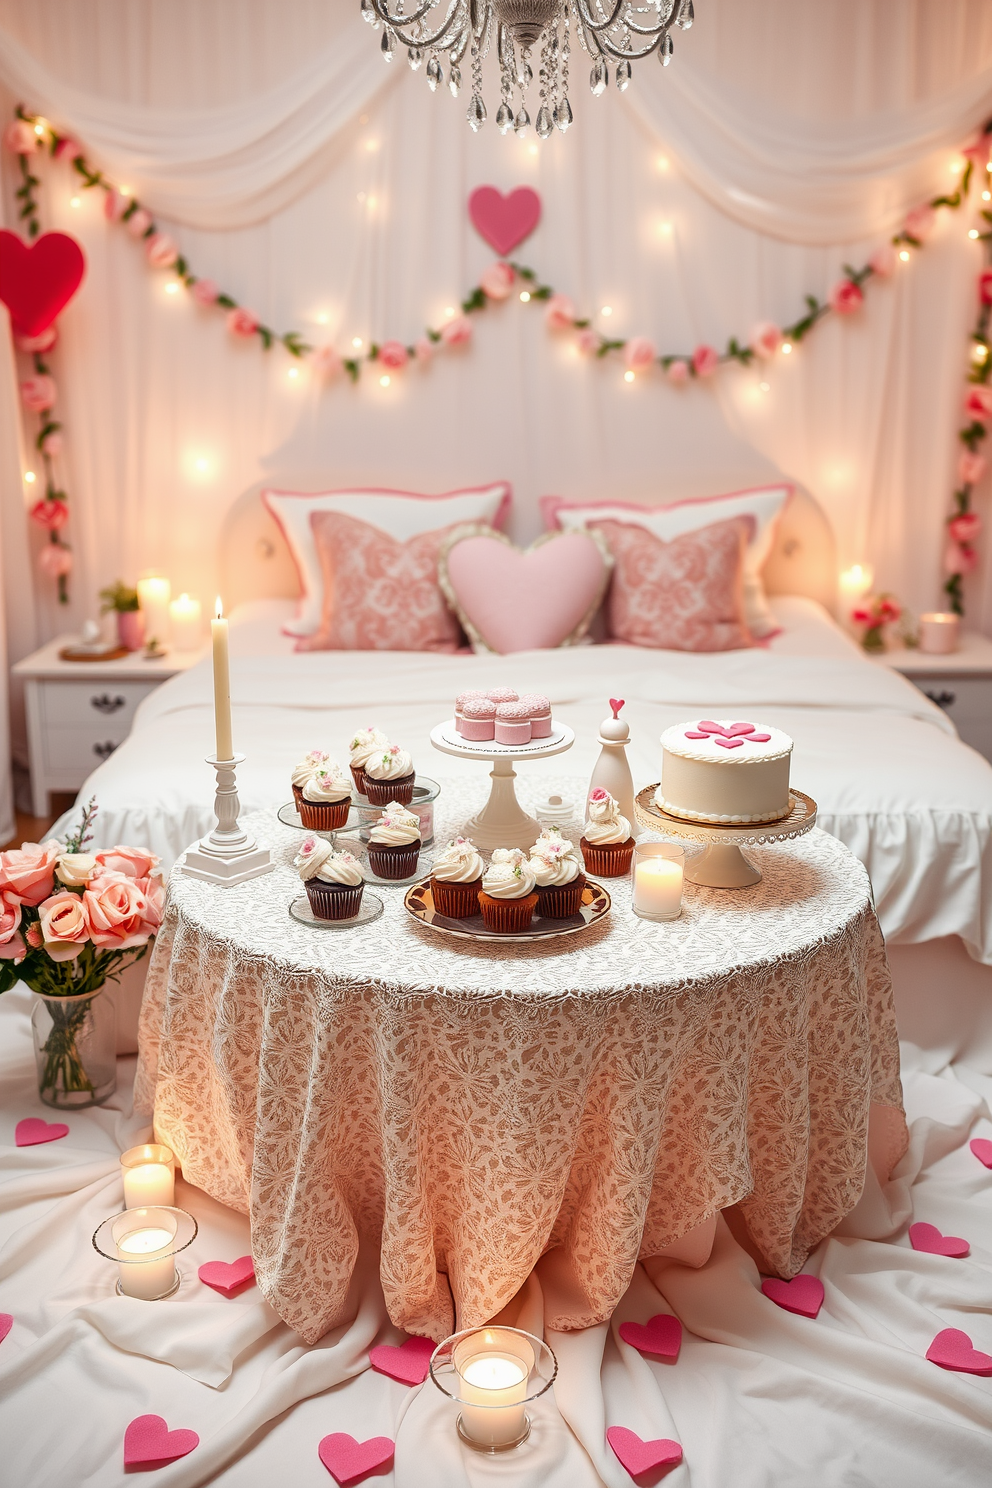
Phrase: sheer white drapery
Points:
(343, 198)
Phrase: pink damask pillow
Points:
(684, 595)
(380, 594)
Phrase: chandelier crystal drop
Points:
(614, 33)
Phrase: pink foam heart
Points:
(660, 1336)
(639, 1456)
(409, 1362)
(227, 1276)
(741, 729)
(952, 1349)
(759, 738)
(37, 280)
(32, 1131)
(982, 1148)
(523, 601)
(692, 734)
(927, 1237)
(504, 221)
(6, 1323)
(148, 1439)
(729, 743)
(347, 1460)
(803, 1294)
(709, 727)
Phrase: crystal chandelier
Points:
(611, 31)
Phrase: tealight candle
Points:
(145, 1241)
(153, 597)
(657, 875)
(149, 1174)
(494, 1373)
(187, 623)
(939, 633)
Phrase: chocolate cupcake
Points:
(607, 842)
(507, 897)
(456, 879)
(394, 843)
(334, 881)
(326, 799)
(558, 875)
(389, 777)
(366, 742)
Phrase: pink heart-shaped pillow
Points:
(409, 1362)
(639, 1456)
(513, 600)
(37, 280)
(802, 1295)
(148, 1439)
(347, 1460)
(227, 1276)
(660, 1336)
(504, 221)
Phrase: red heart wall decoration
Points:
(504, 221)
(37, 280)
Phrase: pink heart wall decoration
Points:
(409, 1362)
(660, 1336)
(148, 1439)
(927, 1237)
(228, 1276)
(32, 1131)
(347, 1460)
(639, 1456)
(513, 600)
(37, 280)
(802, 1295)
(952, 1349)
(982, 1148)
(504, 221)
(6, 1323)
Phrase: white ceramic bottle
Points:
(612, 772)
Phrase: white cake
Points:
(725, 771)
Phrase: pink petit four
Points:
(501, 695)
(467, 697)
(539, 713)
(477, 722)
(513, 723)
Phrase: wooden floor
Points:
(34, 828)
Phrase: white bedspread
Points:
(891, 777)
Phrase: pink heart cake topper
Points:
(347, 1460)
(660, 1336)
(952, 1349)
(730, 738)
(504, 221)
(409, 1362)
(616, 704)
(639, 1456)
(802, 1295)
(148, 1439)
(982, 1148)
(927, 1237)
(32, 1131)
(37, 280)
(228, 1276)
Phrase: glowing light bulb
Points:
(973, 232)
(74, 201)
(979, 353)
(665, 228)
(124, 190)
(662, 163)
(384, 380)
(786, 348)
(449, 311)
(201, 464)
(372, 145)
(293, 372)
(39, 129)
(628, 377)
(356, 342)
(172, 288)
(987, 196)
(988, 166)
(371, 203)
(904, 255)
(533, 150)
(524, 296)
(606, 310)
(29, 477)
(323, 318)
(956, 167)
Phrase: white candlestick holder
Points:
(228, 855)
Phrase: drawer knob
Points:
(104, 751)
(104, 703)
(943, 698)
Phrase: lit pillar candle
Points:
(493, 1385)
(145, 1240)
(939, 633)
(149, 1174)
(657, 880)
(153, 597)
(856, 581)
(186, 620)
(222, 685)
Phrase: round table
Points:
(470, 1107)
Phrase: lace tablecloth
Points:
(470, 1107)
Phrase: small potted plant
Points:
(130, 621)
(875, 612)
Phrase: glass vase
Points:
(75, 1049)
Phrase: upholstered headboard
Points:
(255, 562)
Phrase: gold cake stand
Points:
(722, 864)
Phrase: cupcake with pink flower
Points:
(389, 776)
(607, 842)
(326, 799)
(305, 770)
(395, 843)
(334, 881)
(558, 875)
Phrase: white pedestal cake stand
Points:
(722, 865)
(502, 822)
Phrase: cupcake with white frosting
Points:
(394, 843)
(363, 745)
(607, 842)
(389, 776)
(308, 765)
(326, 799)
(456, 879)
(558, 875)
(507, 897)
(334, 881)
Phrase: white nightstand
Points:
(960, 683)
(79, 711)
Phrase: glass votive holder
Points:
(149, 1174)
(493, 1373)
(657, 871)
(144, 1243)
(939, 633)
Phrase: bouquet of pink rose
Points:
(71, 920)
(874, 613)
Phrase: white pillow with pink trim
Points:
(401, 514)
(765, 504)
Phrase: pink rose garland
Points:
(846, 297)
